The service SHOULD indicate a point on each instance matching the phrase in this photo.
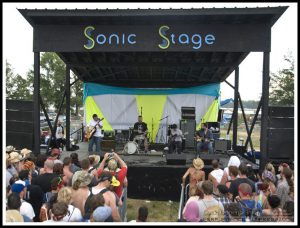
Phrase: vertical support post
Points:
(235, 110)
(265, 110)
(246, 124)
(36, 102)
(253, 122)
(68, 97)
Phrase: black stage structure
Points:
(154, 48)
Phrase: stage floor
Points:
(159, 158)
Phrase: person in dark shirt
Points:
(140, 131)
(204, 137)
(44, 180)
(234, 186)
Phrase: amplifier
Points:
(222, 145)
(108, 145)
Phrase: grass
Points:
(242, 133)
(158, 211)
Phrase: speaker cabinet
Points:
(176, 159)
(188, 127)
(222, 145)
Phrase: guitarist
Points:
(204, 137)
(175, 140)
(95, 125)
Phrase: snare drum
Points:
(131, 147)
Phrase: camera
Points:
(110, 155)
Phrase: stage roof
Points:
(157, 48)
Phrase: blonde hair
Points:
(270, 168)
(65, 195)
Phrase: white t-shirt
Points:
(59, 133)
(217, 174)
(73, 216)
(26, 209)
(98, 132)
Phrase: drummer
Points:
(140, 132)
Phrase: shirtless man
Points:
(195, 173)
(105, 180)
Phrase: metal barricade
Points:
(184, 195)
(123, 209)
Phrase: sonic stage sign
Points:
(153, 38)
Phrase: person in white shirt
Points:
(97, 136)
(216, 175)
(175, 139)
(60, 141)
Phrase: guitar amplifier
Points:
(222, 145)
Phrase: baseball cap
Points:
(105, 176)
(17, 187)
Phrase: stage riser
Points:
(156, 183)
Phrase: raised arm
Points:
(185, 176)
(121, 162)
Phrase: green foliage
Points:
(52, 84)
(282, 84)
(17, 88)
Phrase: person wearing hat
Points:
(14, 160)
(25, 153)
(105, 180)
(10, 149)
(195, 173)
(20, 188)
(80, 182)
(112, 167)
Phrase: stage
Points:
(151, 177)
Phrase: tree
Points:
(282, 84)
(77, 93)
(17, 87)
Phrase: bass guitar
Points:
(92, 130)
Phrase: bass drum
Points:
(131, 147)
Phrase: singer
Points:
(94, 127)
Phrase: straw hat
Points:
(14, 216)
(14, 157)
(198, 163)
(10, 148)
(96, 159)
(25, 152)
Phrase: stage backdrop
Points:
(121, 107)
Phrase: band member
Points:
(203, 136)
(175, 140)
(97, 125)
(140, 132)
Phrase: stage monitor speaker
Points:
(188, 127)
(176, 159)
(222, 145)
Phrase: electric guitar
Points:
(92, 130)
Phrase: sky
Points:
(17, 39)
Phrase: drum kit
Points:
(132, 147)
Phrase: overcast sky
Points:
(17, 39)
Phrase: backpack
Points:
(213, 214)
(87, 210)
(252, 214)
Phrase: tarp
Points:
(120, 107)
